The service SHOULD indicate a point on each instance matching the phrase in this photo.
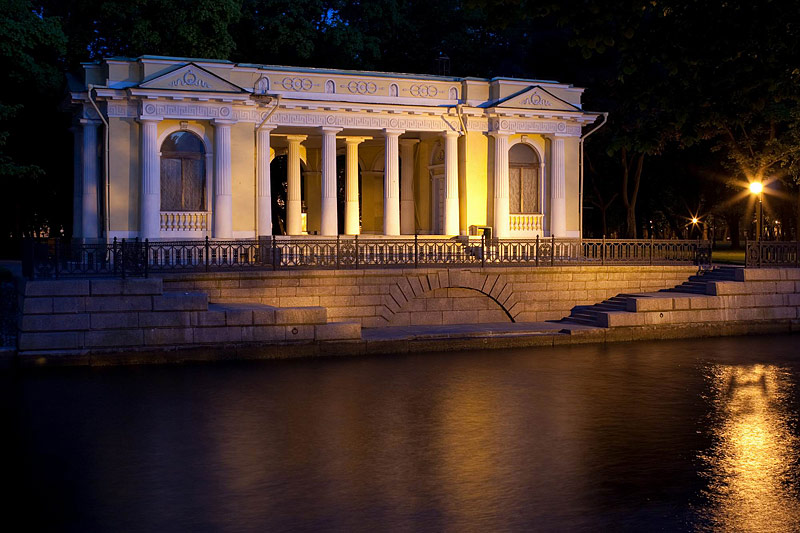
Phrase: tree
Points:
(30, 47)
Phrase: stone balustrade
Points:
(525, 224)
(184, 221)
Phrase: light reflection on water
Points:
(671, 436)
(752, 466)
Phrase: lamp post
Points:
(756, 187)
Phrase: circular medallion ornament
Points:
(149, 109)
(503, 124)
(330, 119)
(561, 127)
(393, 123)
(225, 112)
(189, 78)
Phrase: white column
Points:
(263, 185)
(407, 220)
(150, 213)
(77, 189)
(329, 224)
(500, 226)
(223, 195)
(391, 184)
(451, 183)
(558, 204)
(351, 226)
(294, 222)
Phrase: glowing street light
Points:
(756, 187)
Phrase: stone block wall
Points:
(763, 294)
(93, 316)
(389, 297)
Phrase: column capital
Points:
(265, 127)
(222, 122)
(500, 134)
(408, 142)
(451, 133)
(330, 129)
(355, 140)
(296, 138)
(393, 133)
(89, 122)
(142, 119)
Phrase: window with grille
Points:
(523, 180)
(183, 173)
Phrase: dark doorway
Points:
(279, 185)
(341, 198)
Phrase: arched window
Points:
(183, 173)
(523, 182)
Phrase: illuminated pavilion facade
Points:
(175, 148)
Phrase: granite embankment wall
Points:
(377, 298)
(756, 294)
(80, 318)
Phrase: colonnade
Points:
(398, 211)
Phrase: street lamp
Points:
(756, 187)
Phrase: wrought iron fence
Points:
(772, 253)
(54, 259)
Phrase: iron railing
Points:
(772, 253)
(54, 259)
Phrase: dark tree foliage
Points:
(700, 94)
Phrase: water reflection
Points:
(752, 467)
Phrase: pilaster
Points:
(558, 205)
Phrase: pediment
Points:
(190, 77)
(535, 97)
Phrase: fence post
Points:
(552, 250)
(122, 258)
(57, 250)
(206, 248)
(337, 252)
(759, 252)
(416, 250)
(114, 256)
(652, 244)
(146, 258)
(483, 250)
(603, 251)
(537, 250)
(356, 247)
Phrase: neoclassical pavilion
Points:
(177, 148)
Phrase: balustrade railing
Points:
(772, 253)
(48, 259)
(186, 221)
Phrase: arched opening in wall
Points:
(523, 181)
(279, 185)
(183, 173)
(341, 192)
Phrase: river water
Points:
(654, 436)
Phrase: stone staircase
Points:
(698, 284)
(592, 315)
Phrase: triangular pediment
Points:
(535, 97)
(190, 77)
